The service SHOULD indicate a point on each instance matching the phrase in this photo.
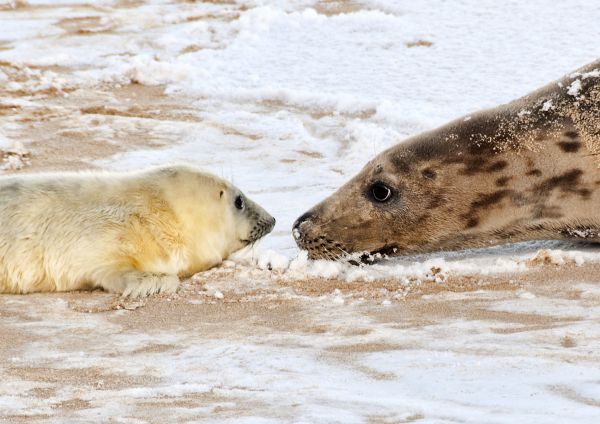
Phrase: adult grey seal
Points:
(521, 171)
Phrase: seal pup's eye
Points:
(239, 202)
(381, 193)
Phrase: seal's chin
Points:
(374, 256)
(386, 251)
(309, 237)
(335, 252)
(321, 247)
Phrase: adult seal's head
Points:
(521, 171)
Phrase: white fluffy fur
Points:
(130, 233)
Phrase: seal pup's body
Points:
(130, 233)
(522, 171)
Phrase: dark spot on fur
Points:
(534, 172)
(482, 146)
(472, 166)
(570, 146)
(497, 166)
(571, 134)
(436, 201)
(484, 201)
(472, 222)
(502, 181)
(400, 164)
(477, 165)
(565, 182)
(569, 182)
(428, 173)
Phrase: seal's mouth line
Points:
(387, 250)
(374, 256)
(338, 254)
(248, 241)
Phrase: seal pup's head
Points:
(216, 216)
(250, 220)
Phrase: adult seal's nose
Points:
(297, 228)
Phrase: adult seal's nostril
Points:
(305, 217)
(296, 229)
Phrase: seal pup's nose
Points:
(271, 224)
(297, 228)
(264, 226)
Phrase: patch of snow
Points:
(574, 88)
(547, 105)
(13, 153)
(592, 74)
(525, 295)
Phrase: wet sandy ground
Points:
(71, 356)
(94, 357)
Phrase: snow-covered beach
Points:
(288, 99)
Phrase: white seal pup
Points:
(130, 233)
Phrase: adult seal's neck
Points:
(525, 170)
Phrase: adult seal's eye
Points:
(381, 193)
(239, 202)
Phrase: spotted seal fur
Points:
(521, 171)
